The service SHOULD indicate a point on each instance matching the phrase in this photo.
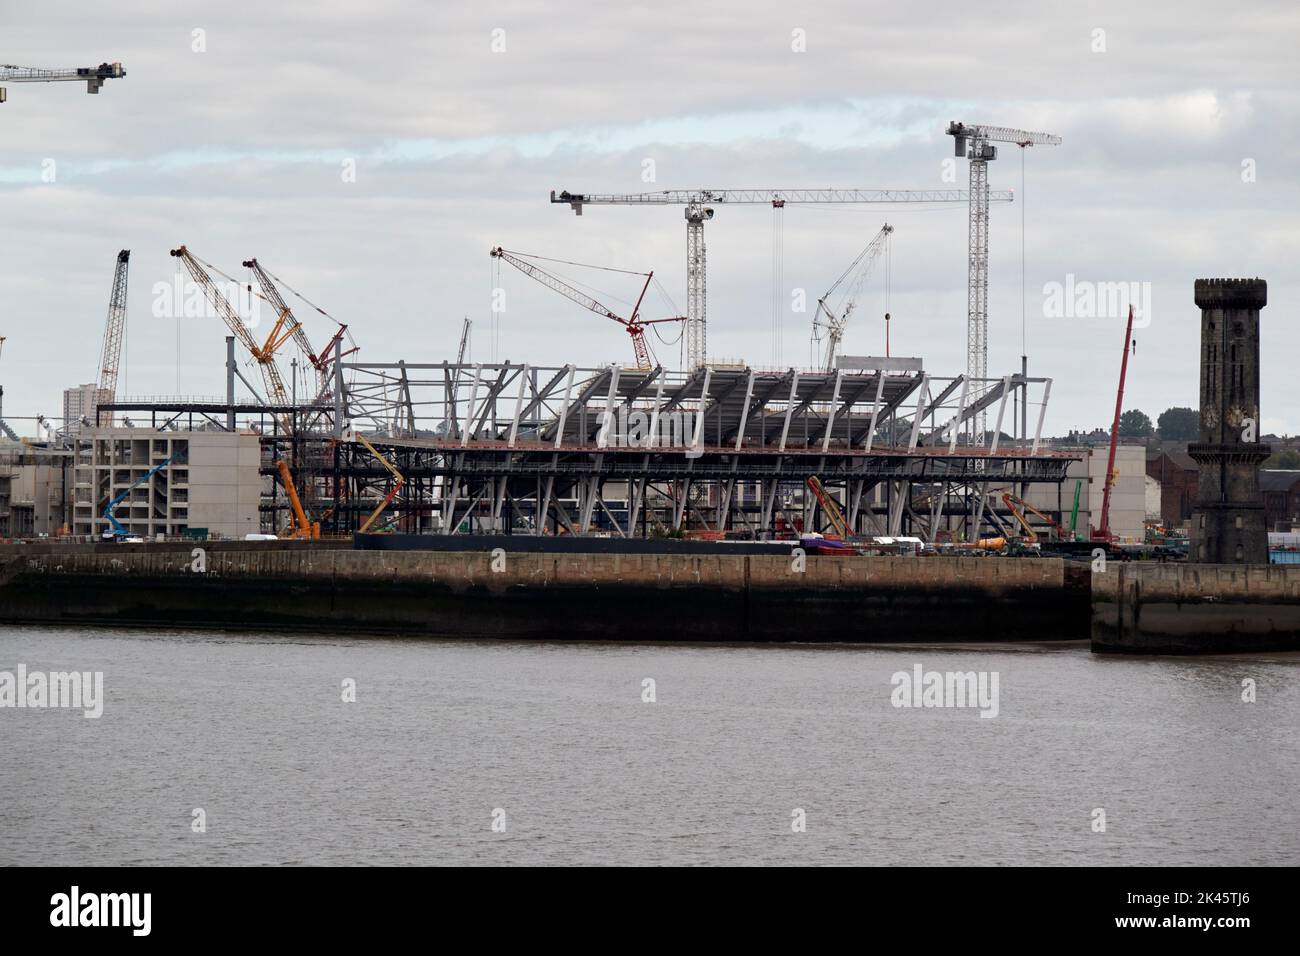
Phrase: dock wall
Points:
(670, 597)
(1148, 608)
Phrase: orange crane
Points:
(287, 326)
(635, 325)
(829, 506)
(1031, 536)
(302, 527)
(398, 481)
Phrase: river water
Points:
(748, 754)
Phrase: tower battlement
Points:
(1231, 293)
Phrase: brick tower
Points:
(1228, 520)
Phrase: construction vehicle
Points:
(116, 530)
(398, 481)
(302, 528)
(1030, 536)
(110, 355)
(829, 322)
(92, 76)
(698, 204)
(1102, 532)
(635, 325)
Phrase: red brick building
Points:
(1178, 475)
(1281, 498)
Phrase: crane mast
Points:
(464, 341)
(110, 356)
(699, 203)
(1103, 529)
(974, 142)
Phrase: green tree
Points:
(1285, 460)
(1179, 424)
(1135, 424)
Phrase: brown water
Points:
(252, 729)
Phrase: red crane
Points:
(635, 325)
(1103, 532)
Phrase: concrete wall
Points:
(642, 597)
(1148, 608)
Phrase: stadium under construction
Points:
(877, 446)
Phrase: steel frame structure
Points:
(513, 448)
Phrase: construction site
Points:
(857, 454)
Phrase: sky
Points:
(370, 155)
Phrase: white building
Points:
(211, 482)
(1128, 505)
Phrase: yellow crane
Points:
(398, 481)
(264, 354)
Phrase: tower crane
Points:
(829, 323)
(92, 76)
(110, 355)
(635, 325)
(287, 326)
(698, 204)
(974, 142)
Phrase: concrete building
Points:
(81, 402)
(1228, 523)
(1128, 506)
(34, 486)
(212, 482)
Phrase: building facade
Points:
(210, 482)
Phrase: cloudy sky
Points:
(370, 154)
